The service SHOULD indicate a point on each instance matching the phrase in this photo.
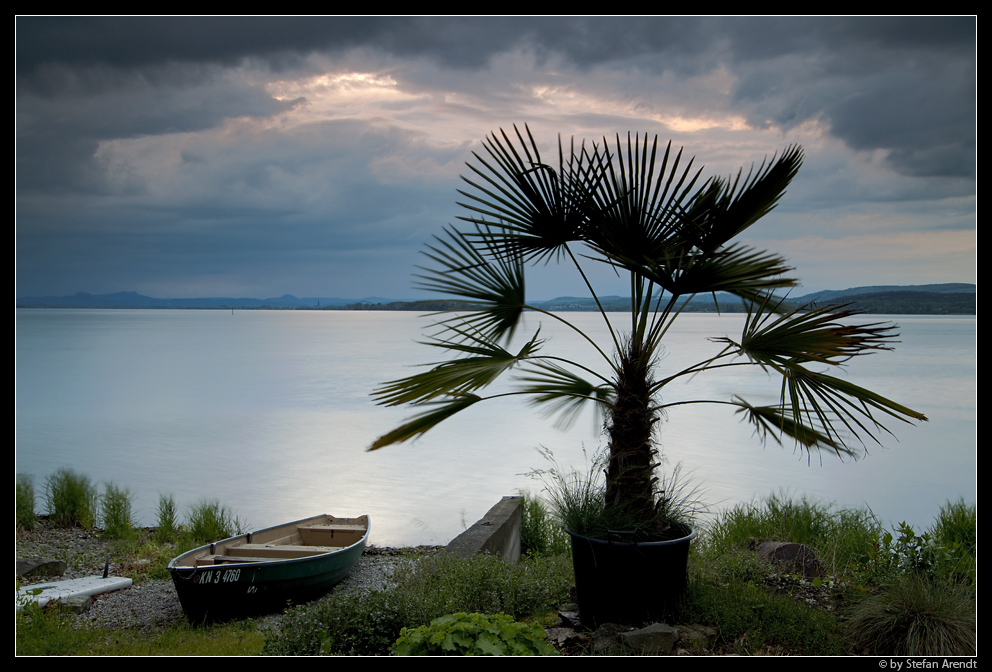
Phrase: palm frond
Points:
(808, 334)
(726, 209)
(488, 361)
(463, 270)
(537, 207)
(736, 269)
(638, 204)
(837, 402)
(420, 424)
(815, 405)
(815, 408)
(777, 421)
(561, 391)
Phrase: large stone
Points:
(796, 558)
(36, 567)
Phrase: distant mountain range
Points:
(945, 299)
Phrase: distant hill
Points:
(135, 300)
(944, 299)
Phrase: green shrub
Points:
(430, 587)
(116, 506)
(167, 520)
(71, 499)
(464, 634)
(942, 555)
(24, 502)
(914, 617)
(209, 521)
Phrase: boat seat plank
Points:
(210, 560)
(276, 551)
(337, 534)
(343, 527)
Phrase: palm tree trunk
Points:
(630, 482)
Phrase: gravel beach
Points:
(154, 604)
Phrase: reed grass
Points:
(117, 507)
(208, 521)
(166, 519)
(540, 533)
(24, 515)
(71, 499)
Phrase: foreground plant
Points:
(646, 214)
(464, 634)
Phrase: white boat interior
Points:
(302, 539)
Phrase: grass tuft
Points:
(167, 520)
(24, 515)
(957, 525)
(540, 533)
(915, 617)
(71, 499)
(117, 508)
(208, 521)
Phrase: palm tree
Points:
(639, 211)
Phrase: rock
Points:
(606, 638)
(567, 640)
(697, 637)
(655, 638)
(798, 558)
(77, 604)
(38, 567)
(569, 616)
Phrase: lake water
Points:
(269, 413)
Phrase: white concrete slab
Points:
(58, 590)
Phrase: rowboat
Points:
(264, 570)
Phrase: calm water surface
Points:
(269, 412)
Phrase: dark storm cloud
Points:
(907, 85)
(184, 145)
(877, 81)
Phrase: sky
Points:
(262, 156)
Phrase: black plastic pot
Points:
(628, 582)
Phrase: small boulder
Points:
(38, 567)
(797, 558)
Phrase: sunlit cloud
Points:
(353, 143)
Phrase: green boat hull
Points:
(229, 590)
